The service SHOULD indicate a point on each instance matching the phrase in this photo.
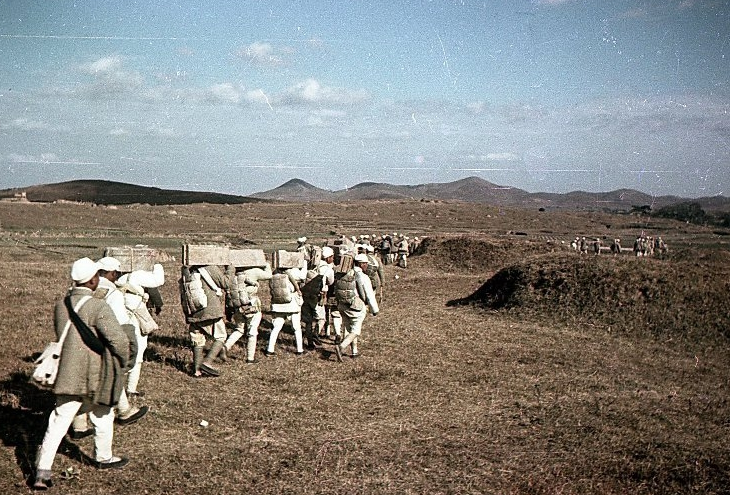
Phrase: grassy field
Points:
(548, 394)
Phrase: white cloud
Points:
(225, 93)
(311, 91)
(118, 132)
(104, 64)
(264, 54)
(26, 125)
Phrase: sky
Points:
(240, 96)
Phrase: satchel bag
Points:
(46, 366)
(147, 324)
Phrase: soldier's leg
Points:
(253, 332)
(296, 323)
(239, 321)
(278, 323)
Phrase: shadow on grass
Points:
(24, 410)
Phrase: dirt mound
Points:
(470, 253)
(632, 295)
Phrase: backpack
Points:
(191, 289)
(280, 293)
(346, 288)
(313, 284)
(237, 295)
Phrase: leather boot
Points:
(206, 366)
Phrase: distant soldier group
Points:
(643, 246)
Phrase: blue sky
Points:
(241, 96)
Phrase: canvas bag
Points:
(191, 286)
(46, 366)
(136, 303)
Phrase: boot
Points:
(198, 353)
(206, 366)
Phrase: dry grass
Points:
(445, 399)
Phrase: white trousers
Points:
(278, 322)
(352, 325)
(242, 321)
(67, 407)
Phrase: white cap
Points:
(109, 264)
(361, 258)
(369, 248)
(327, 252)
(84, 270)
(302, 240)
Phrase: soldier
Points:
(94, 357)
(109, 276)
(385, 248)
(198, 284)
(354, 296)
(375, 272)
(597, 246)
(135, 285)
(247, 315)
(583, 245)
(403, 252)
(314, 295)
(286, 303)
(616, 246)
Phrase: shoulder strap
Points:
(81, 302)
(92, 341)
(209, 280)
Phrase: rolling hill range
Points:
(103, 192)
(470, 189)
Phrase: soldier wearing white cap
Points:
(109, 272)
(90, 372)
(135, 285)
(403, 252)
(355, 295)
(314, 294)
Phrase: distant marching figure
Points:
(616, 246)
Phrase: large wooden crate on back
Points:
(287, 259)
(247, 258)
(133, 258)
(347, 262)
(205, 254)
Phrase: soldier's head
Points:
(302, 240)
(361, 260)
(328, 254)
(110, 268)
(85, 273)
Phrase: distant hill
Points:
(295, 190)
(470, 189)
(104, 192)
(478, 190)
